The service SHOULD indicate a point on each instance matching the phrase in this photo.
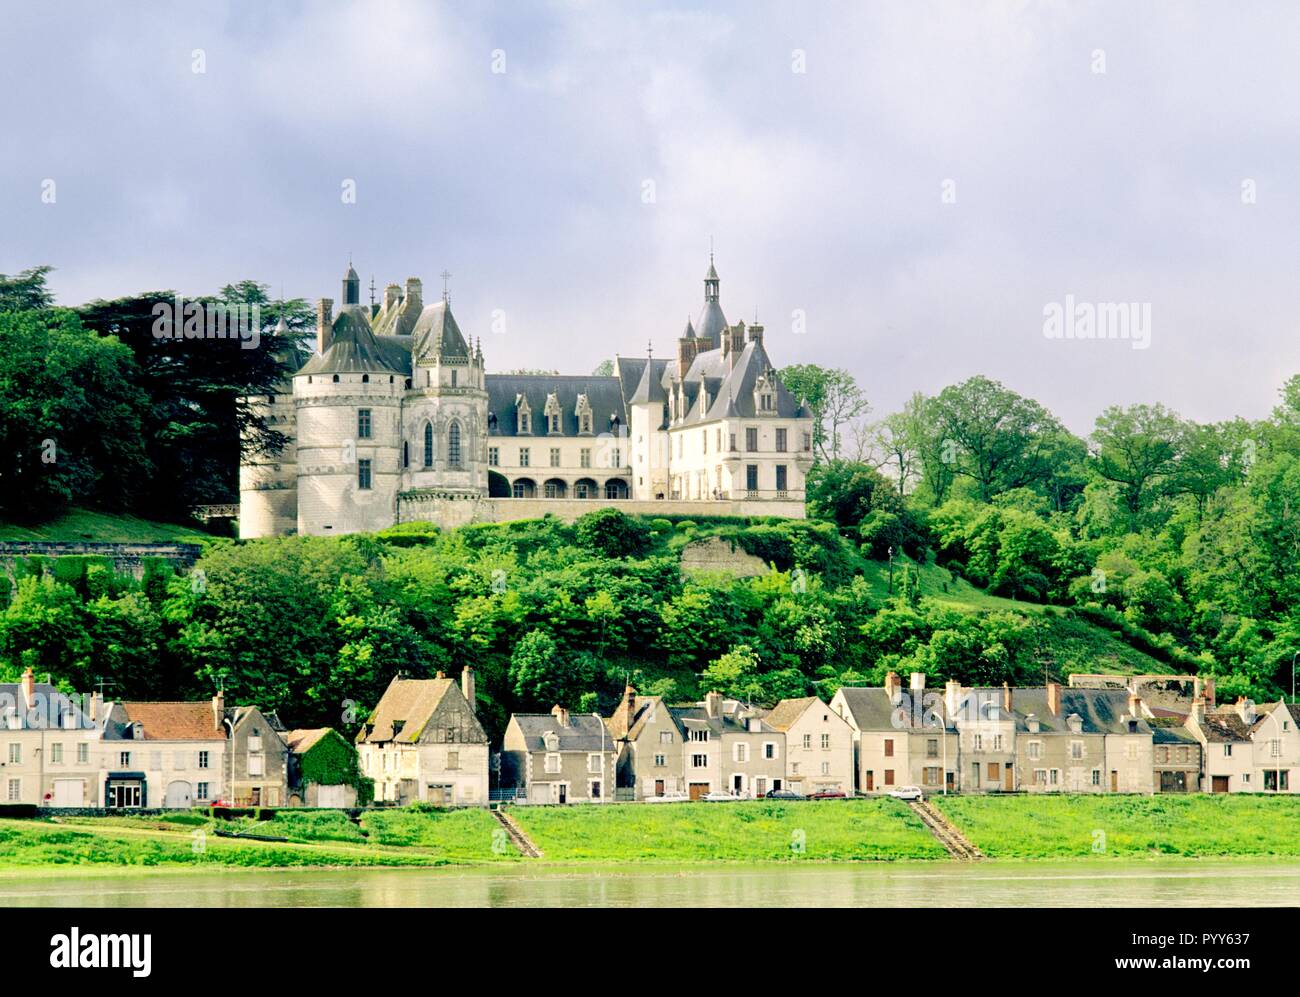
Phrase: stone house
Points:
(50, 745)
(818, 746)
(559, 757)
(899, 739)
(729, 748)
(1226, 745)
(323, 768)
(1276, 737)
(1082, 741)
(651, 761)
(167, 754)
(985, 719)
(1176, 757)
(257, 759)
(424, 743)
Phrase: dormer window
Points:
(583, 411)
(492, 422)
(553, 413)
(523, 415)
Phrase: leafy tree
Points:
(26, 291)
(835, 399)
(1138, 448)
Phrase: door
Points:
(659, 787)
(760, 787)
(698, 789)
(949, 782)
(1219, 784)
(562, 793)
(871, 781)
(439, 795)
(69, 792)
(1114, 781)
(1009, 778)
(179, 795)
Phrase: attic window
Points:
(336, 379)
(397, 726)
(365, 378)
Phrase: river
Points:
(1162, 882)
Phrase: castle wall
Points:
(456, 511)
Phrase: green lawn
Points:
(1127, 826)
(749, 831)
(102, 527)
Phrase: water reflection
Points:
(1089, 884)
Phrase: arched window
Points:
(453, 445)
(336, 379)
(365, 378)
(428, 444)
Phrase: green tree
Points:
(835, 399)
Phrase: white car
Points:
(721, 797)
(668, 798)
(907, 793)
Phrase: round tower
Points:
(268, 482)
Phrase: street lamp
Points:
(1277, 773)
(604, 796)
(943, 739)
(1293, 657)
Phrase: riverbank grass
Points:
(747, 831)
(1040, 827)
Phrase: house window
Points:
(741, 752)
(780, 440)
(428, 444)
(363, 474)
(889, 777)
(83, 754)
(661, 761)
(993, 771)
(1054, 776)
(1096, 777)
(594, 763)
(203, 759)
(807, 740)
(930, 774)
(931, 747)
(615, 457)
(453, 378)
(807, 441)
(453, 759)
(699, 735)
(453, 445)
(255, 765)
(56, 753)
(751, 439)
(124, 759)
(769, 749)
(15, 753)
(363, 423)
(555, 456)
(523, 422)
(1040, 777)
(584, 457)
(782, 479)
(1227, 751)
(979, 742)
(552, 763)
(555, 423)
(704, 441)
(997, 742)
(15, 790)
(751, 477)
(889, 747)
(1035, 749)
(1076, 750)
(586, 422)
(201, 791)
(699, 761)
(523, 456)
(494, 457)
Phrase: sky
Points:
(904, 190)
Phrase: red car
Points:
(828, 794)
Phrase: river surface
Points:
(1158, 883)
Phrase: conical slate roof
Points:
(649, 390)
(354, 349)
(437, 334)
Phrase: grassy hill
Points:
(103, 527)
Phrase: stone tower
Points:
(268, 483)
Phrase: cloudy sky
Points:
(900, 189)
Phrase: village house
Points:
(986, 723)
(559, 757)
(1277, 746)
(899, 739)
(1176, 757)
(169, 754)
(257, 758)
(424, 743)
(49, 745)
(323, 768)
(649, 743)
(1082, 741)
(1226, 746)
(729, 748)
(818, 746)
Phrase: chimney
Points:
(1209, 692)
(893, 686)
(95, 701)
(218, 708)
(1134, 705)
(467, 688)
(918, 684)
(440, 675)
(391, 295)
(756, 334)
(1054, 698)
(686, 349)
(1006, 698)
(713, 704)
(628, 707)
(1196, 688)
(414, 290)
(560, 714)
(952, 696)
(29, 687)
(324, 324)
(1198, 710)
(1246, 710)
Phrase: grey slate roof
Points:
(1101, 710)
(584, 732)
(437, 334)
(870, 708)
(356, 350)
(711, 322)
(46, 710)
(604, 394)
(650, 387)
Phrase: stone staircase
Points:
(958, 846)
(516, 835)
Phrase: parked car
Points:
(827, 794)
(668, 798)
(720, 797)
(784, 794)
(907, 793)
